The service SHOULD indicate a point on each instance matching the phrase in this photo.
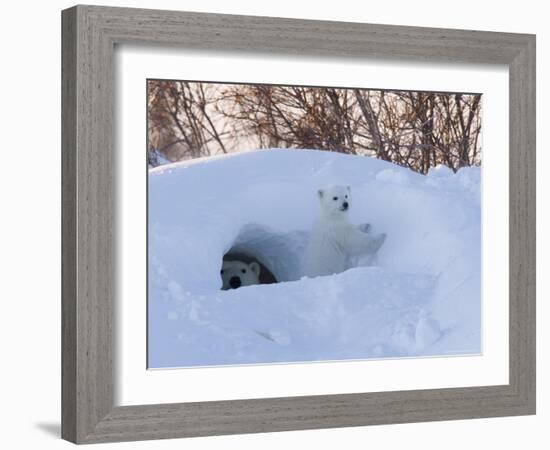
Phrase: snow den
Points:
(422, 298)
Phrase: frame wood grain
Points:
(89, 35)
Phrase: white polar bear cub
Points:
(238, 273)
(335, 243)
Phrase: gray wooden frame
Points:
(89, 36)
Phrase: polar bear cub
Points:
(238, 273)
(335, 243)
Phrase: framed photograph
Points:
(280, 224)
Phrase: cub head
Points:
(237, 273)
(335, 200)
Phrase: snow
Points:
(421, 298)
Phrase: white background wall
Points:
(30, 223)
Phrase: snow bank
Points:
(422, 298)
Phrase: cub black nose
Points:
(235, 282)
(345, 205)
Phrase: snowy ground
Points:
(422, 298)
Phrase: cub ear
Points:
(320, 193)
(348, 188)
(255, 268)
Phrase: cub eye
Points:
(221, 271)
(335, 198)
(243, 270)
(346, 196)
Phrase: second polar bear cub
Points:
(238, 273)
(335, 243)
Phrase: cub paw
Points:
(365, 227)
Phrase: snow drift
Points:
(422, 297)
